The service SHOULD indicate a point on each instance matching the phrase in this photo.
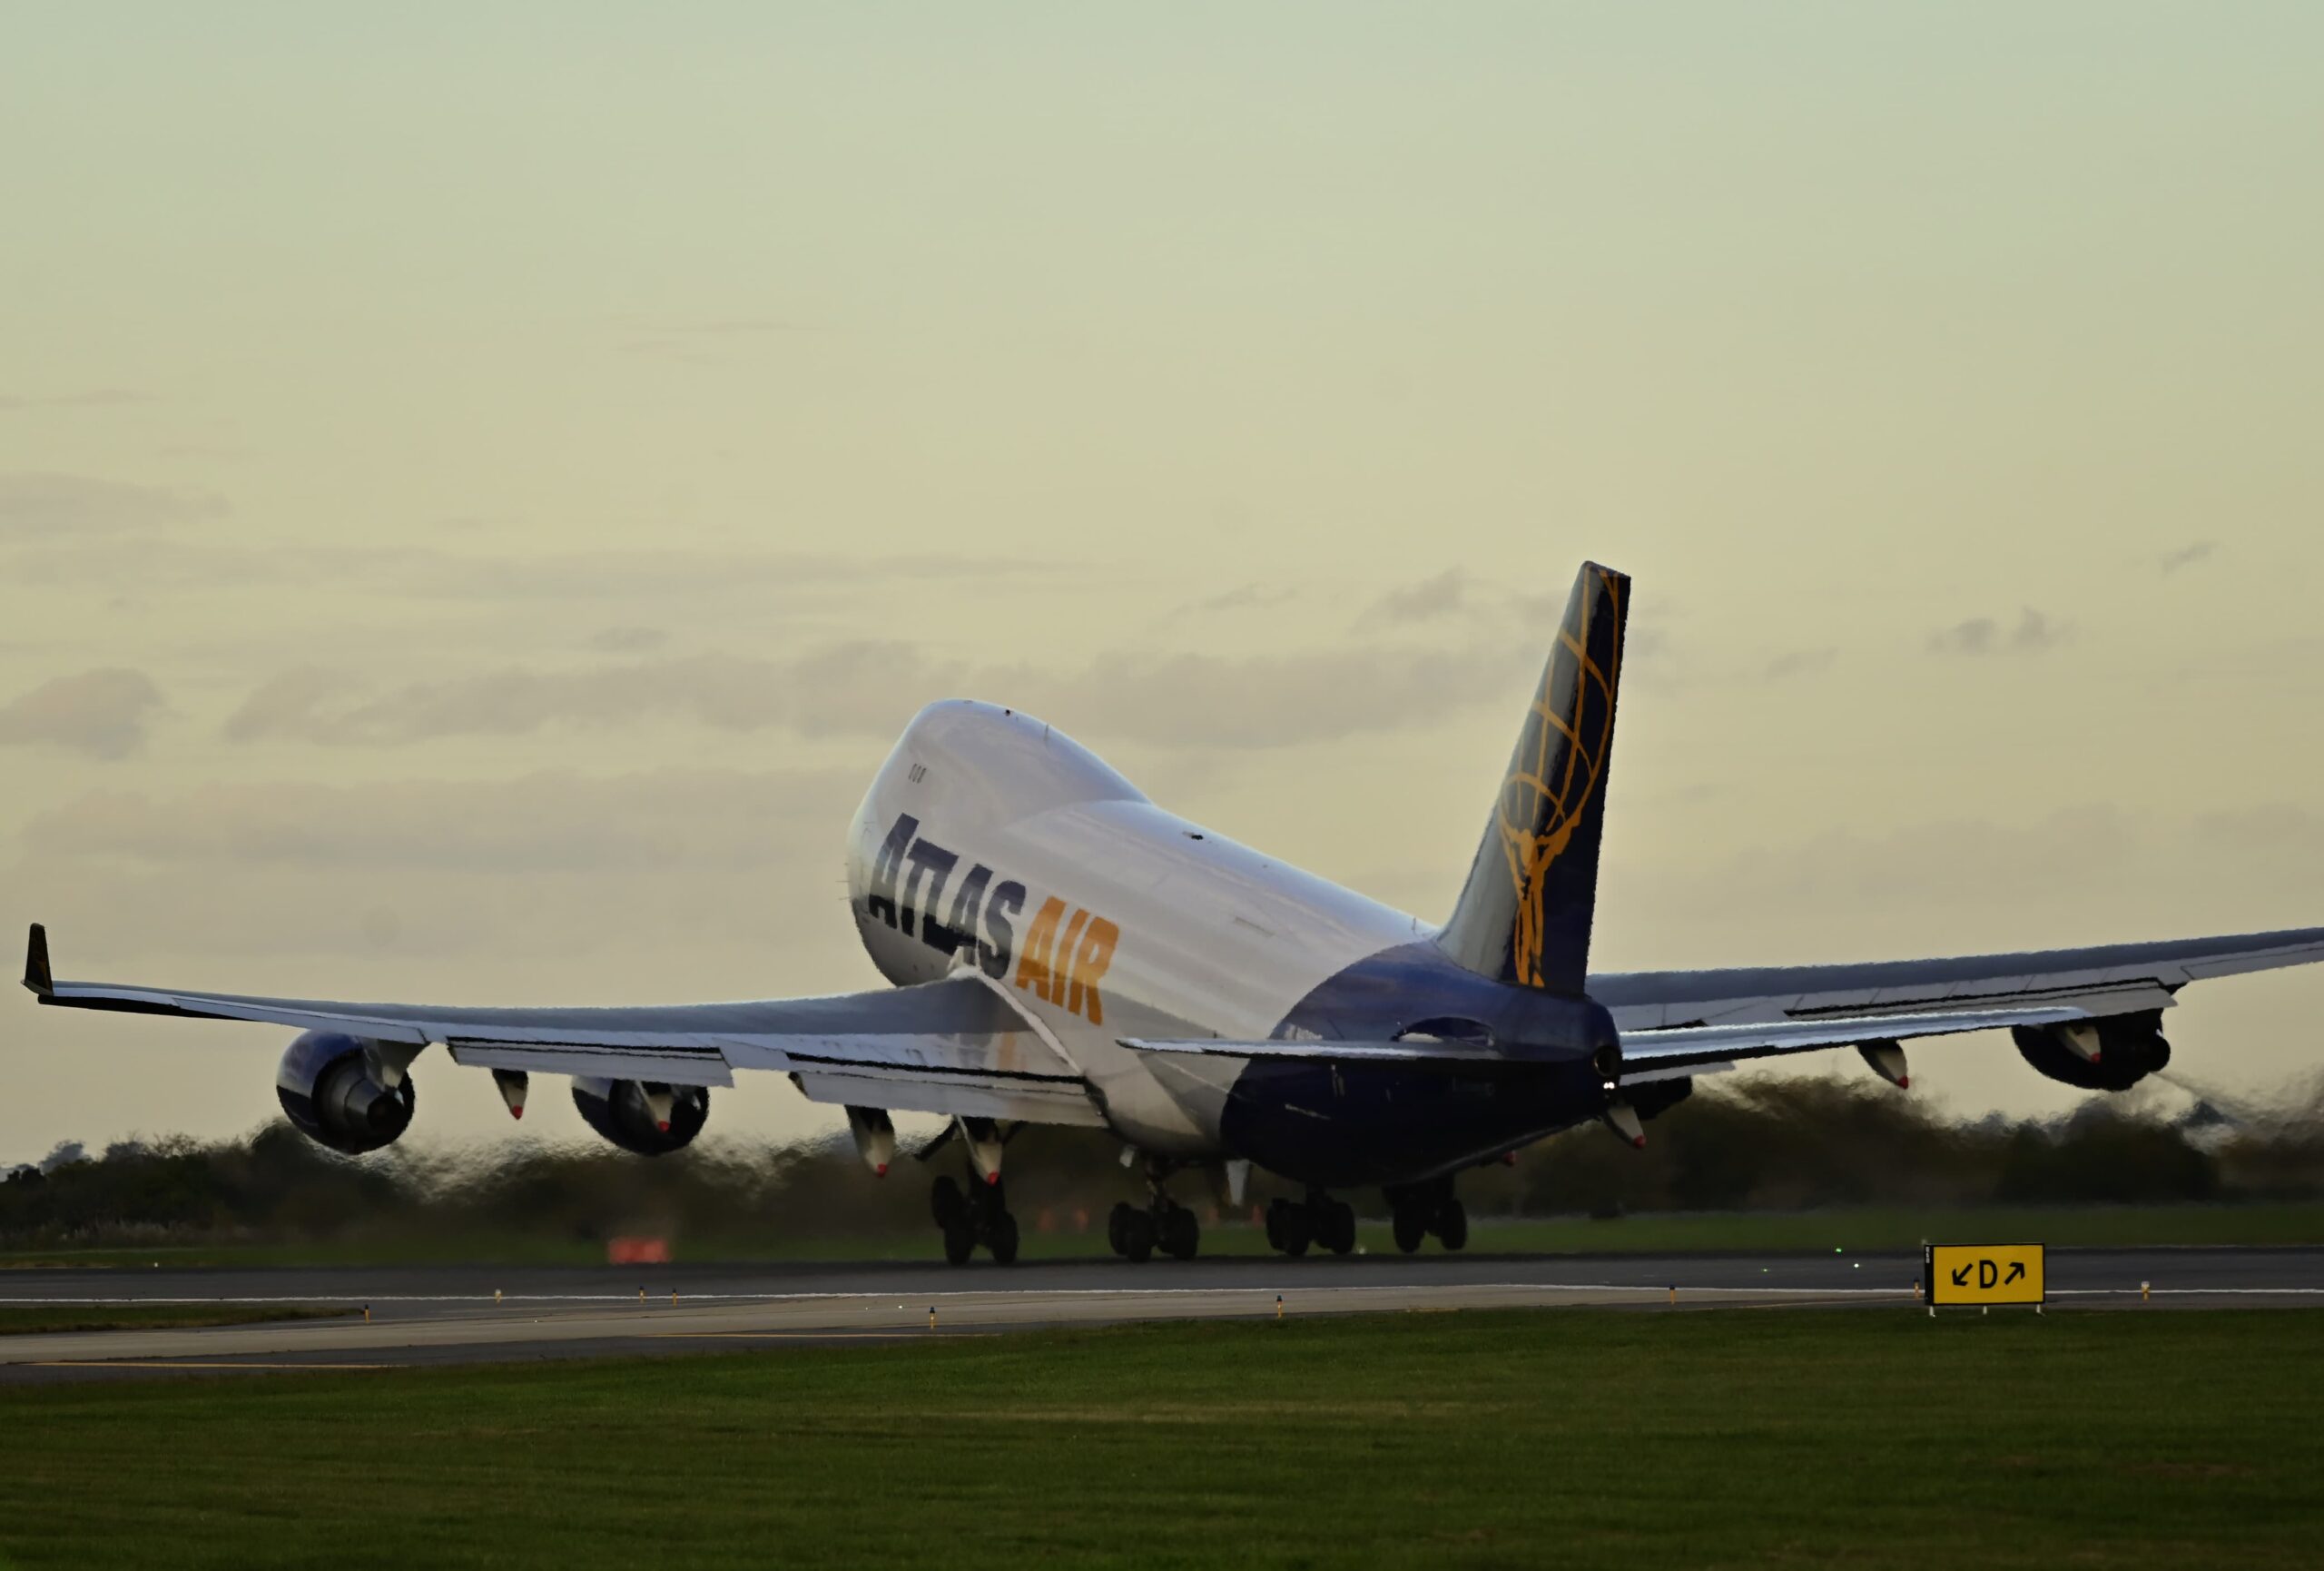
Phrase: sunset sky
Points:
(481, 486)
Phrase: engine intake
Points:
(643, 1116)
(2113, 1054)
(331, 1090)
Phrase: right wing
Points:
(2111, 978)
(1694, 1021)
(957, 1046)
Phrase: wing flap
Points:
(669, 1066)
(961, 1096)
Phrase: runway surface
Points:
(448, 1314)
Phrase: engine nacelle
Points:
(2110, 1054)
(643, 1116)
(334, 1092)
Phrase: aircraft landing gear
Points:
(1319, 1220)
(1164, 1225)
(1425, 1209)
(976, 1215)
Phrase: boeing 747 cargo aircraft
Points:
(1064, 951)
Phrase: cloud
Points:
(628, 640)
(857, 688)
(1198, 700)
(95, 397)
(1445, 595)
(152, 564)
(2188, 556)
(557, 822)
(100, 713)
(2034, 632)
(1244, 598)
(1799, 663)
(36, 504)
(872, 689)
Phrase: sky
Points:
(481, 486)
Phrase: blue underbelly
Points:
(1355, 1124)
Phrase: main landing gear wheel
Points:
(1134, 1233)
(1452, 1225)
(976, 1215)
(1290, 1226)
(1426, 1209)
(1410, 1225)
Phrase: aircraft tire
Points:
(1181, 1233)
(1336, 1227)
(946, 1203)
(1452, 1225)
(1002, 1241)
(1411, 1226)
(1298, 1230)
(1117, 1227)
(960, 1242)
(1138, 1238)
(1275, 1224)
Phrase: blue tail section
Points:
(1524, 915)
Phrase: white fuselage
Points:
(1101, 915)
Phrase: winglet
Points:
(37, 976)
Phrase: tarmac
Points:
(391, 1317)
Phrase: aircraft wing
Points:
(956, 1046)
(1698, 1021)
(2113, 979)
(1655, 1053)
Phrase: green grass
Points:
(1571, 1437)
(19, 1319)
(1752, 1233)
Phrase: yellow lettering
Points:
(1033, 969)
(1062, 966)
(1089, 962)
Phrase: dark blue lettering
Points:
(1007, 898)
(960, 926)
(930, 858)
(882, 901)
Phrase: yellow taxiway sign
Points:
(1983, 1273)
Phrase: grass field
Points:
(1563, 1437)
(1752, 1233)
(18, 1319)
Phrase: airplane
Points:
(1064, 951)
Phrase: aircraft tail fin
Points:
(1524, 915)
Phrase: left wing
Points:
(956, 1046)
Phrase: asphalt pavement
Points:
(407, 1315)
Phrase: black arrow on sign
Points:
(1961, 1277)
(2016, 1270)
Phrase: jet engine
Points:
(2113, 1053)
(642, 1115)
(338, 1094)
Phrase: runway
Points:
(402, 1315)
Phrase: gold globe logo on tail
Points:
(1559, 763)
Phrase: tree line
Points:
(1762, 1144)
